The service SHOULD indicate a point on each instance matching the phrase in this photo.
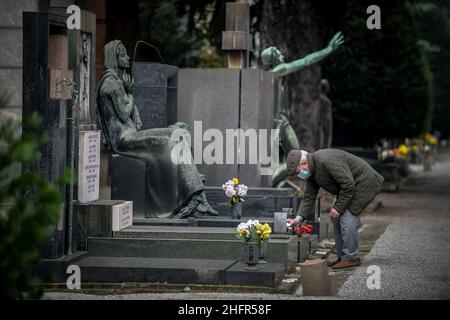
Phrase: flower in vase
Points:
(266, 231)
(253, 231)
(230, 192)
(301, 230)
(242, 190)
(234, 191)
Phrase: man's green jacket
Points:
(343, 174)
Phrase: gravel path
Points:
(414, 252)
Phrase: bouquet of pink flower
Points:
(234, 191)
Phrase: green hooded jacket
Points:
(343, 174)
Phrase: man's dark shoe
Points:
(344, 264)
(332, 263)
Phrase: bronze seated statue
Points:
(172, 190)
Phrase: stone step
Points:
(180, 271)
(170, 232)
(220, 228)
(138, 269)
(219, 222)
(282, 251)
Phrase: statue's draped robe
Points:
(169, 186)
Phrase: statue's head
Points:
(116, 56)
(324, 86)
(271, 57)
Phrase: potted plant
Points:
(235, 193)
(253, 234)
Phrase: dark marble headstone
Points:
(51, 54)
(155, 93)
(212, 97)
(126, 169)
(229, 99)
(38, 28)
(258, 103)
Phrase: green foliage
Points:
(29, 209)
(420, 7)
(234, 201)
(381, 85)
(185, 32)
(435, 30)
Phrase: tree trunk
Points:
(293, 26)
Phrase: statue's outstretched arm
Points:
(287, 68)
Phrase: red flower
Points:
(301, 229)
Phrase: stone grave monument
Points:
(44, 93)
(156, 247)
(59, 84)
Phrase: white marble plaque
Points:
(122, 215)
(88, 166)
(279, 222)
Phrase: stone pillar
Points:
(315, 278)
(236, 39)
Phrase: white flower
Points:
(242, 190)
(230, 192)
(242, 226)
(228, 183)
(252, 223)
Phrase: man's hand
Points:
(336, 41)
(334, 214)
(297, 220)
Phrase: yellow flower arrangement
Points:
(265, 231)
(253, 231)
(403, 149)
(430, 139)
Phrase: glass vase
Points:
(252, 253)
(263, 251)
(236, 211)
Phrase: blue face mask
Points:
(304, 174)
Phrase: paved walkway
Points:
(413, 253)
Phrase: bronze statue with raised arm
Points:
(273, 60)
(173, 190)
